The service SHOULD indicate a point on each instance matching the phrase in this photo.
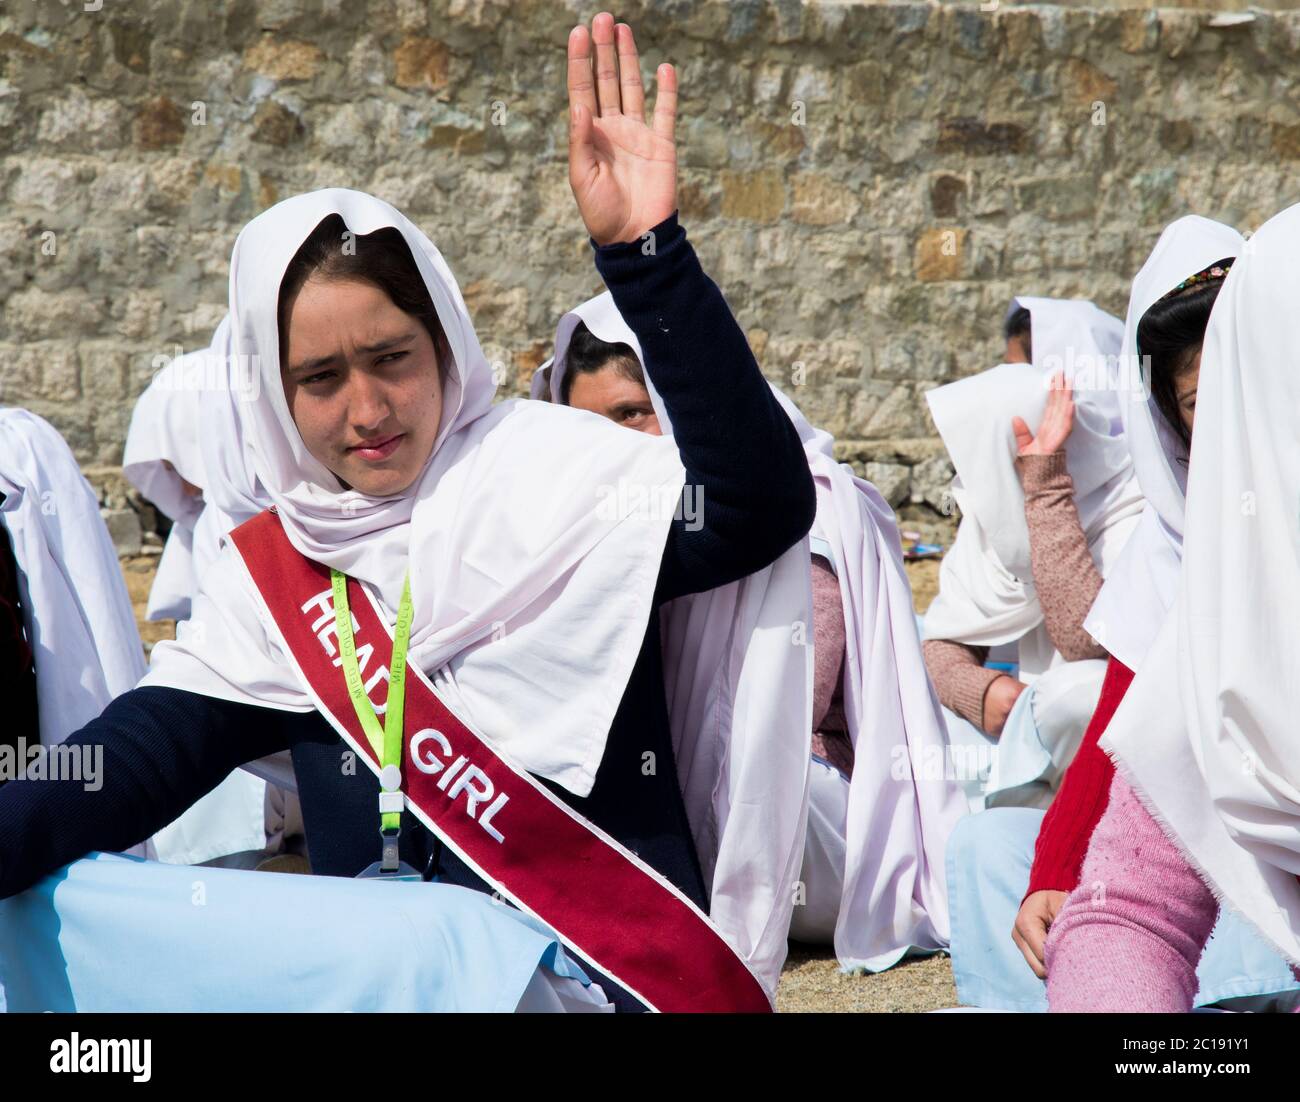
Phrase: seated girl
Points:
(1045, 513)
(882, 804)
(454, 565)
(244, 820)
(1202, 809)
(989, 858)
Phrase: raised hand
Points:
(623, 172)
(1054, 429)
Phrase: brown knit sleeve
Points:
(959, 676)
(1066, 578)
(828, 638)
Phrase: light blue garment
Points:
(989, 857)
(989, 768)
(114, 933)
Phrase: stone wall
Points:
(869, 183)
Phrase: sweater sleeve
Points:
(1066, 578)
(1081, 799)
(828, 639)
(1130, 935)
(749, 494)
(960, 677)
(162, 749)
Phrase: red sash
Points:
(607, 905)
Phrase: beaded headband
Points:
(1217, 270)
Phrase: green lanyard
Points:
(387, 740)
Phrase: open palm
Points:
(1055, 427)
(623, 172)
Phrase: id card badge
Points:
(389, 866)
(402, 872)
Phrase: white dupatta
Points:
(1205, 734)
(76, 612)
(738, 683)
(1139, 592)
(986, 587)
(902, 805)
(162, 452)
(1077, 337)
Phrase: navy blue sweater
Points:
(165, 748)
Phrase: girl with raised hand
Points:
(1048, 500)
(1018, 857)
(1203, 808)
(444, 615)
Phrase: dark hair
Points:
(1017, 325)
(382, 259)
(1168, 337)
(587, 353)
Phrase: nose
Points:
(368, 405)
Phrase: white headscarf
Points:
(894, 893)
(166, 429)
(1206, 732)
(531, 589)
(739, 698)
(76, 611)
(1138, 593)
(1076, 336)
(986, 586)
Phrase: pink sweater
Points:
(1131, 934)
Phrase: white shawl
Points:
(899, 815)
(902, 805)
(76, 611)
(1206, 732)
(738, 682)
(1140, 590)
(986, 586)
(165, 429)
(1076, 336)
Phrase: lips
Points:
(379, 449)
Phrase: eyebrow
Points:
(368, 349)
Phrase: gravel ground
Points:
(813, 983)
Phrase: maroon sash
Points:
(607, 905)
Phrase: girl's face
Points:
(612, 394)
(361, 379)
(1185, 389)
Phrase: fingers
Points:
(602, 34)
(629, 73)
(582, 147)
(581, 88)
(665, 119)
(1023, 436)
(1030, 943)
